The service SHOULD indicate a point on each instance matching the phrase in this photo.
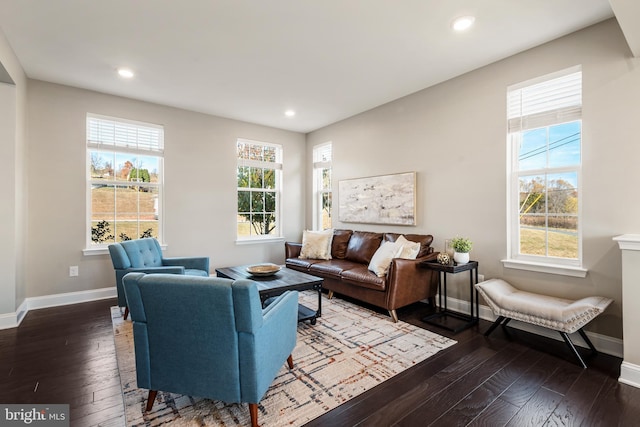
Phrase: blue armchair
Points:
(145, 256)
(209, 337)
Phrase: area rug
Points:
(348, 351)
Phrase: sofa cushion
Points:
(331, 268)
(362, 246)
(299, 263)
(425, 241)
(316, 244)
(340, 243)
(361, 276)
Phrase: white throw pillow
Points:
(410, 250)
(382, 258)
(316, 244)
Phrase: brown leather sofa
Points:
(347, 272)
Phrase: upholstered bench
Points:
(563, 315)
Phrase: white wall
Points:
(454, 136)
(7, 197)
(12, 175)
(200, 181)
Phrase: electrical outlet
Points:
(73, 271)
(480, 277)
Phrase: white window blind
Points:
(103, 132)
(532, 105)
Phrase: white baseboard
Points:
(630, 374)
(604, 343)
(13, 320)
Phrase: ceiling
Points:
(251, 60)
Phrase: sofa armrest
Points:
(292, 249)
(409, 282)
(195, 263)
(403, 263)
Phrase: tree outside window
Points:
(258, 182)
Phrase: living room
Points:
(452, 134)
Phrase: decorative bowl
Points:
(263, 269)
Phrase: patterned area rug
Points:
(348, 351)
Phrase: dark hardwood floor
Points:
(66, 355)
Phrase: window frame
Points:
(278, 167)
(541, 119)
(318, 183)
(156, 151)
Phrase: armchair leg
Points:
(330, 295)
(126, 312)
(151, 399)
(253, 410)
(290, 362)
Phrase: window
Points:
(545, 139)
(259, 183)
(124, 168)
(322, 186)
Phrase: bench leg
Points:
(496, 324)
(567, 340)
(587, 340)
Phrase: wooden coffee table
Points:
(284, 280)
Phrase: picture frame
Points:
(382, 199)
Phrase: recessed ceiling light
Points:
(463, 23)
(289, 113)
(125, 72)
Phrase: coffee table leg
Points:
(319, 289)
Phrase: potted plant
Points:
(461, 247)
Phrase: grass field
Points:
(136, 210)
(561, 244)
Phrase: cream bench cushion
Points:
(551, 312)
(563, 315)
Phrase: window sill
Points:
(95, 251)
(103, 250)
(260, 240)
(564, 270)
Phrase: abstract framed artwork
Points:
(383, 199)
